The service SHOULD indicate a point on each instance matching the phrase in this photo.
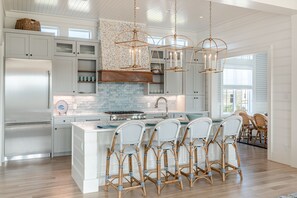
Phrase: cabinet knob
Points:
(30, 54)
(73, 52)
(27, 54)
(73, 91)
(55, 128)
(77, 52)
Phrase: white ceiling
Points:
(154, 13)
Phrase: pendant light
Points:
(213, 50)
(135, 41)
(175, 45)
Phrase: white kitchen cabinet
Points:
(85, 49)
(193, 57)
(164, 82)
(195, 103)
(73, 76)
(18, 45)
(157, 55)
(173, 83)
(62, 132)
(157, 86)
(179, 115)
(86, 76)
(65, 47)
(75, 67)
(194, 82)
(64, 78)
(168, 83)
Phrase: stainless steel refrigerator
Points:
(28, 113)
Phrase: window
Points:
(154, 40)
(237, 99)
(79, 33)
(50, 29)
(237, 85)
(244, 84)
(181, 42)
(237, 90)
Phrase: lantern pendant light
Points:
(214, 51)
(135, 41)
(175, 45)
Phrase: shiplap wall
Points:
(294, 92)
(1, 79)
(271, 33)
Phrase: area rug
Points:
(257, 143)
(294, 195)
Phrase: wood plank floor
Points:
(51, 178)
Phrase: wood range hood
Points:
(125, 76)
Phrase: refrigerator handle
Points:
(48, 90)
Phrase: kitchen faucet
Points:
(157, 102)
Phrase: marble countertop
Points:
(104, 114)
(81, 114)
(92, 126)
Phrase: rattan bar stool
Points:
(261, 126)
(163, 140)
(196, 136)
(126, 145)
(227, 134)
(247, 128)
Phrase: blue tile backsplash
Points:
(116, 97)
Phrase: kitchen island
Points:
(89, 152)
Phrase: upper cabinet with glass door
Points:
(157, 55)
(67, 47)
(87, 49)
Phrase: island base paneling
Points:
(89, 155)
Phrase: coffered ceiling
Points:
(192, 14)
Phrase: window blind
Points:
(261, 77)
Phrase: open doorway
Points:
(243, 87)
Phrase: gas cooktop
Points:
(126, 115)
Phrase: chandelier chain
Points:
(175, 13)
(210, 19)
(134, 13)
